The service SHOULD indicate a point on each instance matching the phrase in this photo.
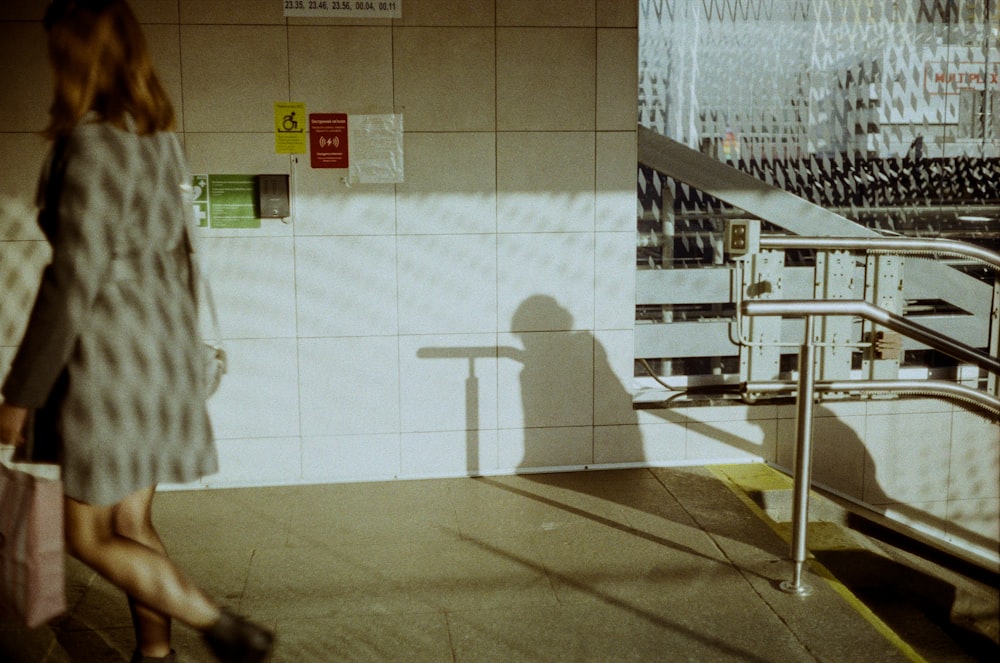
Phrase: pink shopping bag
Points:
(32, 567)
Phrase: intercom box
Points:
(273, 196)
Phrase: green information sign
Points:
(226, 201)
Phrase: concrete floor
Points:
(634, 565)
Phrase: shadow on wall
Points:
(843, 462)
(557, 388)
(558, 395)
(557, 378)
(558, 375)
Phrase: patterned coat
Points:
(111, 359)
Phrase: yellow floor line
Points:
(731, 476)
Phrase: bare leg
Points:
(142, 571)
(132, 519)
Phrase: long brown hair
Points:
(101, 64)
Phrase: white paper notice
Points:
(376, 149)
(343, 8)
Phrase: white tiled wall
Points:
(476, 317)
(924, 462)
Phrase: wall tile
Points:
(240, 153)
(444, 78)
(618, 14)
(155, 11)
(908, 457)
(24, 155)
(926, 516)
(253, 284)
(545, 79)
(447, 284)
(552, 12)
(26, 10)
(975, 458)
(327, 204)
(613, 381)
(268, 228)
(346, 286)
(24, 68)
(522, 449)
(448, 382)
(25, 254)
(976, 521)
(545, 181)
(841, 409)
(724, 413)
(259, 395)
(232, 76)
(450, 184)
(341, 69)
(451, 453)
(257, 461)
(706, 443)
(548, 382)
(621, 445)
(351, 458)
(663, 443)
(840, 458)
(349, 386)
(253, 12)
(617, 79)
(448, 12)
(559, 266)
(616, 180)
(784, 454)
(905, 406)
(614, 291)
(165, 51)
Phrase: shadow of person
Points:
(909, 489)
(576, 413)
(563, 373)
(914, 587)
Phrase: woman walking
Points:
(110, 366)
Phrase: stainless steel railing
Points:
(806, 389)
(896, 245)
(975, 397)
(861, 308)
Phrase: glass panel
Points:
(887, 113)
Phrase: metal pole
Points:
(803, 462)
(884, 244)
(993, 381)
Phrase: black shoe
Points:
(137, 657)
(235, 640)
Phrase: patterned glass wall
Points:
(769, 79)
(886, 112)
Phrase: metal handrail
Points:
(960, 392)
(884, 244)
(806, 388)
(925, 246)
(867, 310)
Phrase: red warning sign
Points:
(328, 140)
